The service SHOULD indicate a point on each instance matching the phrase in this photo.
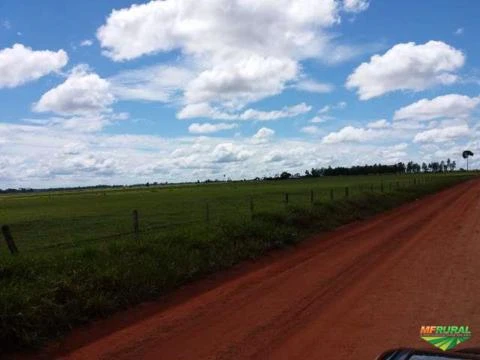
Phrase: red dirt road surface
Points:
(348, 294)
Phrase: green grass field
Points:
(79, 260)
(69, 219)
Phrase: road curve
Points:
(348, 294)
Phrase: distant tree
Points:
(424, 167)
(285, 175)
(409, 167)
(453, 165)
(466, 154)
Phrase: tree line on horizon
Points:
(379, 169)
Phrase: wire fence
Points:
(73, 231)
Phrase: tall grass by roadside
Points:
(44, 296)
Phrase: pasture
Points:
(42, 221)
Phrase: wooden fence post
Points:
(381, 186)
(136, 228)
(398, 185)
(311, 197)
(251, 207)
(414, 181)
(346, 191)
(331, 194)
(9, 240)
(286, 198)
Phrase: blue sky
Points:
(176, 90)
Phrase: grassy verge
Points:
(43, 296)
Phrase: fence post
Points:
(311, 197)
(286, 198)
(414, 181)
(381, 186)
(331, 194)
(9, 239)
(398, 185)
(346, 191)
(136, 228)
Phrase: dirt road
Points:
(348, 294)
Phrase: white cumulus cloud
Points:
(263, 135)
(242, 79)
(443, 134)
(351, 134)
(445, 106)
(20, 64)
(407, 66)
(83, 92)
(216, 27)
(229, 152)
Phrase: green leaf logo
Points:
(445, 337)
